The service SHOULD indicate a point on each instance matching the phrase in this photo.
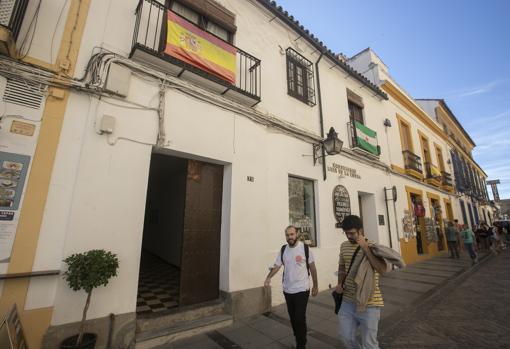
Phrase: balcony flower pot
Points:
(87, 271)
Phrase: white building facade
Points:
(186, 135)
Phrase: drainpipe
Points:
(321, 117)
(388, 214)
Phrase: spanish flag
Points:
(197, 47)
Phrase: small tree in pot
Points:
(87, 271)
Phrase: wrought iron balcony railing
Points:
(412, 161)
(150, 37)
(432, 172)
(364, 138)
(447, 179)
(12, 13)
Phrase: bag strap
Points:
(307, 255)
(350, 266)
(281, 257)
(281, 252)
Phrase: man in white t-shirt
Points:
(296, 281)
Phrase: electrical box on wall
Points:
(118, 80)
(107, 125)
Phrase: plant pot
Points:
(88, 342)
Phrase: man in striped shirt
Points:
(349, 317)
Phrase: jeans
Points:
(454, 249)
(296, 306)
(368, 321)
(471, 250)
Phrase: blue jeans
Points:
(368, 321)
(471, 250)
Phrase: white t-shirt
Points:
(295, 276)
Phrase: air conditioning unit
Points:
(12, 14)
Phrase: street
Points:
(473, 314)
(438, 303)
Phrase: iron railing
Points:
(150, 35)
(353, 139)
(447, 179)
(412, 161)
(429, 171)
(12, 13)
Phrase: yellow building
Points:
(432, 166)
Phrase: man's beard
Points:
(291, 242)
(352, 241)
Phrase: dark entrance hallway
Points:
(181, 240)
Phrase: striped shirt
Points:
(346, 251)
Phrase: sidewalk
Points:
(402, 291)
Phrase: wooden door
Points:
(200, 261)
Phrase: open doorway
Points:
(419, 221)
(180, 257)
(368, 214)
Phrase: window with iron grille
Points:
(300, 82)
(302, 209)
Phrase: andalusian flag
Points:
(192, 45)
(366, 138)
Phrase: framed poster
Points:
(13, 174)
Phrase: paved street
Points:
(439, 303)
(474, 314)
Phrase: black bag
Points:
(337, 297)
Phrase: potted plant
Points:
(87, 271)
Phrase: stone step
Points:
(156, 321)
(181, 330)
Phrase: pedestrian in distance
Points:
(469, 242)
(351, 315)
(298, 263)
(498, 239)
(451, 238)
(483, 233)
(459, 226)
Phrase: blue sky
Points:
(458, 50)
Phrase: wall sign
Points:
(381, 219)
(343, 170)
(341, 204)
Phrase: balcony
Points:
(433, 175)
(12, 13)
(150, 47)
(363, 140)
(412, 164)
(447, 182)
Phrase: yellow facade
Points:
(37, 321)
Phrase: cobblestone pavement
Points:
(473, 313)
(438, 303)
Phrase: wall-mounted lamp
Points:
(387, 122)
(332, 146)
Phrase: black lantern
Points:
(332, 145)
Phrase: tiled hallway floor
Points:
(158, 285)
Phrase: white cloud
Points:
(474, 91)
